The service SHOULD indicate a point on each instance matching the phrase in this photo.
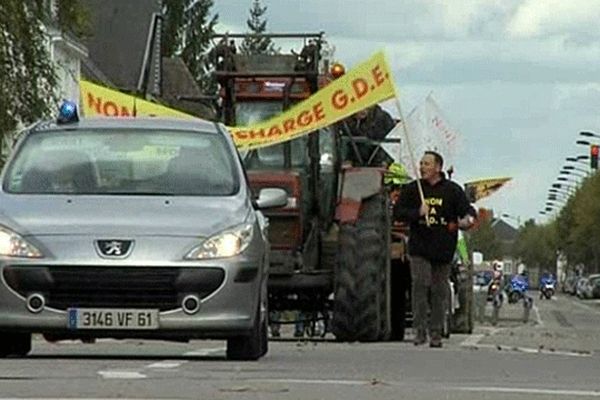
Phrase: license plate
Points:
(110, 318)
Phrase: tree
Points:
(255, 42)
(26, 72)
(73, 17)
(537, 245)
(187, 32)
(485, 241)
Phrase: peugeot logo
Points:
(113, 248)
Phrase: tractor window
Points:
(272, 156)
(256, 111)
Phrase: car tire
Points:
(253, 346)
(14, 344)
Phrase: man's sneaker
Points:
(436, 341)
(420, 338)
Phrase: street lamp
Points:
(578, 159)
(565, 179)
(558, 196)
(574, 168)
(589, 134)
(573, 172)
(575, 177)
(569, 189)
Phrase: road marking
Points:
(585, 307)
(205, 352)
(319, 381)
(121, 375)
(472, 341)
(537, 316)
(530, 350)
(165, 364)
(553, 392)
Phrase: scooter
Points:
(547, 287)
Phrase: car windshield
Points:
(149, 162)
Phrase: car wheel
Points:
(253, 346)
(14, 344)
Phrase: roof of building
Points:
(504, 231)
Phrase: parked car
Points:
(582, 288)
(569, 284)
(592, 290)
(132, 228)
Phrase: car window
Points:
(123, 162)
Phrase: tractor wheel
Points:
(362, 277)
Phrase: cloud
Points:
(535, 18)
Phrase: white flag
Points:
(428, 129)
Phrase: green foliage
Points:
(27, 74)
(578, 225)
(187, 33)
(255, 42)
(536, 245)
(575, 232)
(73, 17)
(484, 240)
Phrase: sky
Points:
(519, 79)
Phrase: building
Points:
(125, 54)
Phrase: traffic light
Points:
(594, 150)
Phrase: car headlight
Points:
(13, 245)
(228, 243)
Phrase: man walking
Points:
(433, 235)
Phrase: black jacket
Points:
(447, 203)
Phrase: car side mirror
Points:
(271, 198)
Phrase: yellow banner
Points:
(365, 85)
(481, 188)
(101, 101)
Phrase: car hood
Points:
(121, 215)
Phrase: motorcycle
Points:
(495, 293)
(547, 287)
(518, 287)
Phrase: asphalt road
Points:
(554, 356)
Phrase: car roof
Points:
(158, 123)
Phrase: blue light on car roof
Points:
(67, 113)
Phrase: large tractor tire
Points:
(362, 277)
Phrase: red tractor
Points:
(331, 242)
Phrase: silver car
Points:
(132, 228)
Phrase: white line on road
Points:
(537, 316)
(530, 350)
(205, 352)
(121, 375)
(317, 381)
(472, 340)
(553, 392)
(165, 364)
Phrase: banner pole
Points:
(410, 150)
